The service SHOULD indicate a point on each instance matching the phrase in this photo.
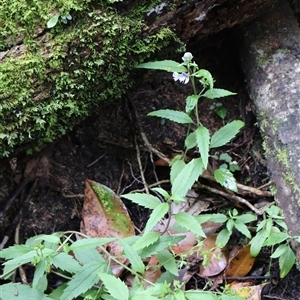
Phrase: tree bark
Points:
(270, 56)
(50, 78)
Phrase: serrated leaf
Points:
(281, 223)
(191, 102)
(172, 115)
(242, 228)
(38, 275)
(21, 292)
(276, 238)
(279, 251)
(115, 286)
(90, 243)
(65, 262)
(53, 21)
(148, 201)
(286, 262)
(157, 214)
(146, 240)
(177, 164)
(188, 222)
(190, 141)
(223, 237)
(83, 280)
(187, 177)
(164, 65)
(163, 242)
(162, 192)
(217, 93)
(226, 179)
(136, 262)
(52, 238)
(225, 134)
(218, 218)
(168, 261)
(247, 218)
(205, 78)
(197, 295)
(202, 137)
(14, 251)
(257, 242)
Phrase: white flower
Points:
(183, 77)
(187, 57)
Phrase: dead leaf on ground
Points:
(104, 215)
(241, 264)
(248, 291)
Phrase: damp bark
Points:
(270, 55)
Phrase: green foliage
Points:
(200, 137)
(48, 83)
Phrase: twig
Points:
(96, 160)
(138, 155)
(245, 188)
(231, 197)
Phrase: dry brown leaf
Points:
(217, 258)
(241, 263)
(104, 215)
(245, 290)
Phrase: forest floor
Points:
(43, 193)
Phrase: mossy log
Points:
(271, 61)
(51, 78)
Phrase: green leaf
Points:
(162, 192)
(65, 262)
(191, 102)
(163, 242)
(52, 238)
(187, 177)
(257, 242)
(202, 137)
(188, 222)
(223, 237)
(172, 115)
(90, 243)
(279, 251)
(148, 201)
(217, 93)
(247, 218)
(276, 238)
(164, 65)
(205, 78)
(146, 240)
(157, 214)
(88, 255)
(83, 280)
(218, 218)
(225, 134)
(197, 295)
(177, 164)
(136, 262)
(168, 261)
(190, 141)
(53, 21)
(286, 261)
(226, 179)
(14, 251)
(39, 273)
(21, 292)
(281, 223)
(115, 286)
(222, 112)
(242, 228)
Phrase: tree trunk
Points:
(50, 78)
(270, 56)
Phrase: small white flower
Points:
(187, 56)
(183, 77)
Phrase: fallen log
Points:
(270, 55)
(50, 78)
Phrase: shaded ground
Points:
(104, 148)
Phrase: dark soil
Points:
(45, 190)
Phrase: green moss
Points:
(65, 73)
